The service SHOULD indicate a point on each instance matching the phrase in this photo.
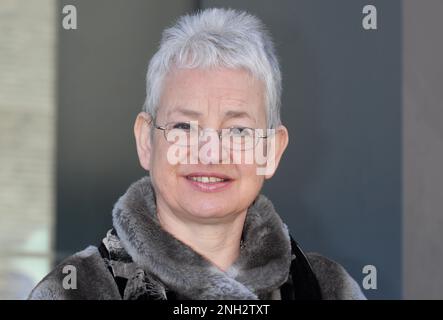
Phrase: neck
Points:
(217, 241)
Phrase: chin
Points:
(212, 210)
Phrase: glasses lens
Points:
(238, 139)
(181, 134)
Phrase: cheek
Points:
(162, 171)
(250, 181)
(159, 158)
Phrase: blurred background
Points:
(361, 181)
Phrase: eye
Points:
(241, 132)
(181, 126)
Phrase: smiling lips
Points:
(209, 182)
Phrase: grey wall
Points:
(101, 71)
(339, 186)
(423, 149)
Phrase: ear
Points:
(281, 142)
(142, 132)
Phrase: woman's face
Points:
(216, 98)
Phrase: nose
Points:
(210, 149)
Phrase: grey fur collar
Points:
(263, 264)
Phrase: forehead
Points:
(222, 89)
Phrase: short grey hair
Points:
(217, 38)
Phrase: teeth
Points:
(206, 179)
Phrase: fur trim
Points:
(263, 264)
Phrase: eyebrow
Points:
(228, 114)
(238, 114)
(185, 112)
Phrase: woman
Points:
(196, 227)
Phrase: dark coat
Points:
(140, 260)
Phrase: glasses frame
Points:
(164, 128)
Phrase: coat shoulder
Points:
(87, 270)
(335, 282)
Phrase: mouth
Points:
(209, 182)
